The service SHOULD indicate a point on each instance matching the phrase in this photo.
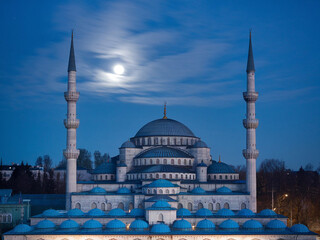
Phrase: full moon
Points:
(118, 69)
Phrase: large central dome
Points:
(164, 127)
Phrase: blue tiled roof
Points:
(252, 225)
(123, 190)
(50, 213)
(160, 197)
(229, 224)
(224, 212)
(183, 212)
(198, 190)
(137, 212)
(204, 212)
(299, 228)
(22, 228)
(115, 224)
(250, 63)
(161, 168)
(224, 190)
(72, 60)
(128, 144)
(164, 127)
(69, 224)
(246, 213)
(105, 168)
(116, 212)
(164, 152)
(205, 225)
(276, 224)
(75, 212)
(160, 183)
(182, 225)
(267, 213)
(45, 224)
(161, 204)
(202, 164)
(98, 190)
(96, 212)
(220, 167)
(139, 224)
(160, 228)
(200, 144)
(92, 224)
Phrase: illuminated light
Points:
(118, 69)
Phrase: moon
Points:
(118, 69)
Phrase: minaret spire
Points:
(165, 111)
(71, 123)
(251, 123)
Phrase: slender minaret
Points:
(251, 123)
(71, 123)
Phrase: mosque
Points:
(163, 185)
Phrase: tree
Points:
(308, 167)
(39, 162)
(47, 162)
(62, 163)
(98, 159)
(84, 159)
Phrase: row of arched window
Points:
(226, 205)
(108, 206)
(5, 218)
(222, 177)
(141, 162)
(104, 177)
(160, 191)
(164, 141)
(138, 176)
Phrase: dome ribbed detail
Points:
(164, 152)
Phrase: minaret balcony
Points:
(71, 153)
(250, 96)
(71, 96)
(71, 123)
(250, 153)
(250, 123)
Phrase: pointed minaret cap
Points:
(250, 64)
(219, 158)
(72, 61)
(165, 111)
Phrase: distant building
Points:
(82, 174)
(7, 170)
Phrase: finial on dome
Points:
(165, 111)
(219, 158)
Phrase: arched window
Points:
(121, 205)
(185, 162)
(157, 175)
(160, 218)
(164, 161)
(176, 176)
(158, 161)
(103, 206)
(172, 161)
(210, 206)
(180, 206)
(170, 176)
(173, 191)
(145, 161)
(154, 191)
(109, 206)
(163, 176)
(226, 205)
(150, 175)
(200, 205)
(218, 207)
(130, 206)
(149, 141)
(220, 176)
(149, 191)
(106, 177)
(226, 177)
(189, 162)
(214, 177)
(93, 205)
(243, 206)
(181, 176)
(78, 205)
(181, 141)
(168, 141)
(209, 177)
(190, 206)
(167, 191)
(179, 161)
(160, 191)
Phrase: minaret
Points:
(251, 123)
(71, 123)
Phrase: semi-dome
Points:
(50, 213)
(276, 224)
(164, 127)
(137, 212)
(183, 212)
(299, 228)
(204, 212)
(224, 190)
(75, 212)
(224, 212)
(123, 190)
(198, 190)
(246, 213)
(105, 168)
(22, 228)
(115, 224)
(206, 224)
(98, 190)
(139, 225)
(252, 225)
(229, 224)
(267, 213)
(96, 212)
(69, 224)
(182, 225)
(116, 212)
(164, 152)
(128, 144)
(200, 144)
(45, 224)
(220, 167)
(161, 204)
(160, 228)
(92, 224)
(160, 183)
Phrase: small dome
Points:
(105, 168)
(22, 228)
(299, 228)
(198, 190)
(203, 212)
(161, 204)
(115, 225)
(116, 212)
(224, 190)
(44, 224)
(122, 164)
(69, 224)
(224, 212)
(205, 225)
(276, 224)
(137, 212)
(96, 212)
(182, 225)
(92, 224)
(229, 224)
(200, 144)
(160, 228)
(164, 152)
(220, 167)
(75, 212)
(183, 212)
(50, 213)
(139, 225)
(98, 190)
(160, 183)
(246, 213)
(128, 144)
(252, 224)
(267, 213)
(123, 190)
(202, 164)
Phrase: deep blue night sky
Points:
(191, 54)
